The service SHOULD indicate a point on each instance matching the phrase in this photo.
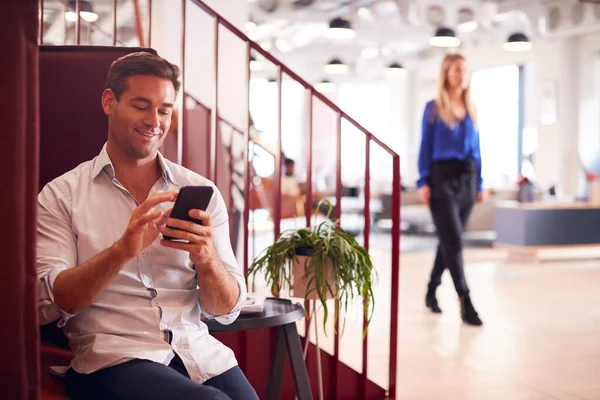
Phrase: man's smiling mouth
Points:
(147, 134)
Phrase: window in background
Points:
(380, 108)
(495, 92)
(263, 109)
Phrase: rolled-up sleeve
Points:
(56, 249)
(222, 244)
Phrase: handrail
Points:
(311, 93)
(256, 47)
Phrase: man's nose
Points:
(152, 119)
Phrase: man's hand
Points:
(199, 237)
(144, 224)
(218, 290)
(425, 194)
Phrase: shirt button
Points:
(143, 253)
(163, 327)
(174, 347)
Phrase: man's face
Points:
(138, 123)
(289, 169)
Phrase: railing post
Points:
(277, 175)
(215, 111)
(182, 119)
(308, 131)
(41, 33)
(395, 276)
(78, 22)
(366, 234)
(149, 23)
(338, 216)
(114, 18)
(249, 166)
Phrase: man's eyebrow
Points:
(142, 99)
(147, 101)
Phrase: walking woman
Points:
(450, 176)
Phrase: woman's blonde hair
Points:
(442, 100)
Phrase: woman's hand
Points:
(482, 196)
(425, 194)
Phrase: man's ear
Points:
(108, 101)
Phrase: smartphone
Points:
(190, 198)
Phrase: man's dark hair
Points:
(289, 161)
(140, 63)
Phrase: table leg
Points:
(299, 372)
(277, 363)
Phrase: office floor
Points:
(540, 339)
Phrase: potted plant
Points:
(319, 263)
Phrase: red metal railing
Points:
(311, 94)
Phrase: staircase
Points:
(207, 143)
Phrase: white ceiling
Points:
(399, 30)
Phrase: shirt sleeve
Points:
(478, 163)
(222, 244)
(426, 149)
(56, 249)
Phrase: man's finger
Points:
(203, 216)
(156, 199)
(149, 217)
(189, 226)
(179, 234)
(189, 247)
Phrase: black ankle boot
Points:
(431, 301)
(467, 311)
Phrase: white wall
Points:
(589, 95)
(565, 61)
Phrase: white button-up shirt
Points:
(87, 210)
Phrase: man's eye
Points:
(139, 108)
(163, 112)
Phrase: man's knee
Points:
(206, 392)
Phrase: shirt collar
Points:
(103, 163)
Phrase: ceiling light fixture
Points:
(517, 42)
(250, 25)
(336, 66)
(365, 13)
(444, 37)
(325, 86)
(255, 65)
(86, 11)
(340, 28)
(395, 70)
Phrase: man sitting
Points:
(131, 302)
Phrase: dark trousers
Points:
(148, 380)
(453, 186)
